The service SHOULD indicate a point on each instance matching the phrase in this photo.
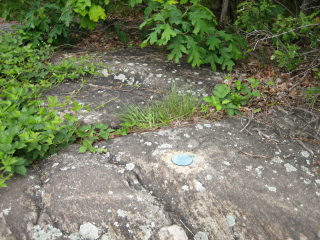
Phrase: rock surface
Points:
(254, 184)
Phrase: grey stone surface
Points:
(259, 183)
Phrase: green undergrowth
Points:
(31, 129)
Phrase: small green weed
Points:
(175, 106)
(89, 134)
(231, 98)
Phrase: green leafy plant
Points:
(89, 134)
(53, 20)
(231, 98)
(293, 37)
(191, 29)
(174, 107)
(31, 130)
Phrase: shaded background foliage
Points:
(186, 27)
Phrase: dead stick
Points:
(305, 147)
(186, 227)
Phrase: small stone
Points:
(89, 231)
(173, 232)
(201, 236)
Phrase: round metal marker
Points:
(182, 159)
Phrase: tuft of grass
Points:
(175, 106)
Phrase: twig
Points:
(248, 123)
(305, 147)
(283, 33)
(186, 227)
(255, 155)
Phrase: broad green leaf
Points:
(178, 49)
(226, 101)
(213, 43)
(82, 149)
(167, 34)
(85, 22)
(254, 82)
(238, 85)
(81, 6)
(221, 90)
(20, 170)
(133, 3)
(96, 12)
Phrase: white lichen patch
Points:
(305, 154)
(185, 188)
(89, 231)
(6, 211)
(201, 236)
(307, 181)
(307, 171)
(317, 181)
(105, 72)
(110, 192)
(121, 213)
(120, 77)
(277, 159)
(48, 232)
(186, 135)
(248, 168)
(130, 166)
(271, 189)
(199, 127)
(259, 170)
(148, 143)
(158, 152)
(231, 220)
(64, 169)
(290, 168)
(198, 186)
(54, 165)
(226, 163)
(208, 177)
(165, 146)
(318, 194)
(159, 75)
